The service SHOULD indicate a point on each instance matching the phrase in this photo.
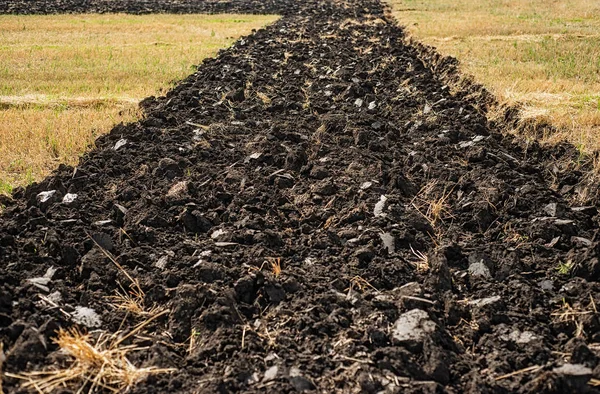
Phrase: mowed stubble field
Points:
(543, 56)
(66, 79)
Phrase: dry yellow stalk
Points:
(360, 283)
(422, 262)
(275, 266)
(94, 365)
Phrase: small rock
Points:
(120, 143)
(366, 185)
(253, 156)
(388, 241)
(44, 280)
(271, 373)
(480, 270)
(39, 281)
(550, 209)
(573, 370)
(478, 303)
(178, 190)
(358, 102)
(69, 198)
(86, 316)
(413, 326)
(380, 206)
(519, 337)
(300, 383)
(45, 196)
(376, 125)
(294, 371)
(162, 262)
(216, 234)
(101, 223)
(547, 285)
(225, 244)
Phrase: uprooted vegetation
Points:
(93, 365)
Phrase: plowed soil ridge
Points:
(421, 249)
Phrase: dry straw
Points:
(94, 365)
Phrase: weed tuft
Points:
(431, 205)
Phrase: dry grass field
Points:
(542, 54)
(65, 79)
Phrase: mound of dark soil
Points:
(421, 250)
(148, 6)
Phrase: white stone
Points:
(162, 262)
(45, 196)
(271, 373)
(86, 316)
(69, 198)
(413, 325)
(573, 370)
(120, 143)
(388, 241)
(218, 233)
(366, 185)
(380, 206)
(484, 301)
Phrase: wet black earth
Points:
(422, 249)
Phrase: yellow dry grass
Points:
(66, 79)
(275, 266)
(544, 55)
(95, 365)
